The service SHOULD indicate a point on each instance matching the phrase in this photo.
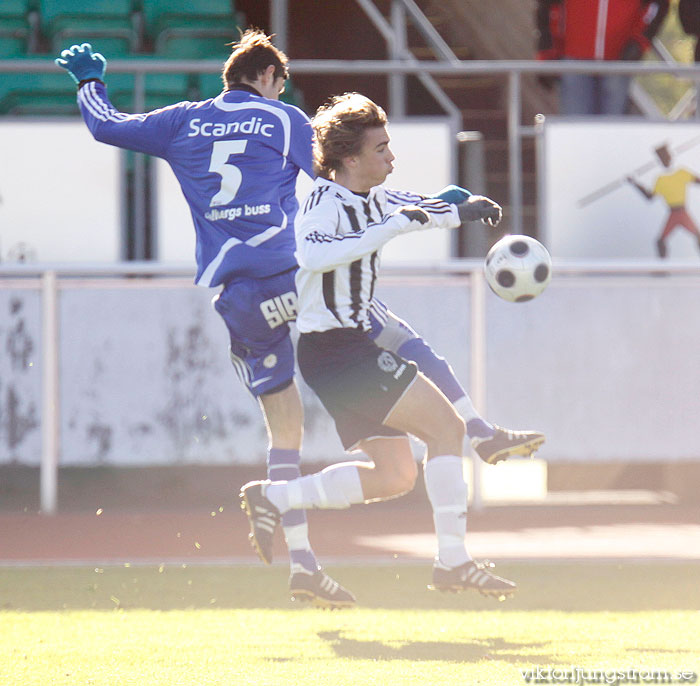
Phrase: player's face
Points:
(374, 161)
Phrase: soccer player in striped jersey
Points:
(375, 396)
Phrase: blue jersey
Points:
(237, 157)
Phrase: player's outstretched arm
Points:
(479, 207)
(82, 64)
(321, 246)
(148, 133)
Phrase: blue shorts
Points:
(257, 313)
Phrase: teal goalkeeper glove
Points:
(82, 63)
(453, 194)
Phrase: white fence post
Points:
(50, 391)
(477, 369)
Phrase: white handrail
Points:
(456, 266)
(403, 66)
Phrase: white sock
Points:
(447, 492)
(465, 408)
(335, 488)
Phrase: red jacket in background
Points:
(596, 29)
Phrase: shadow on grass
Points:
(441, 651)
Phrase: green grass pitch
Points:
(202, 626)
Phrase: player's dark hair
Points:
(250, 56)
(339, 128)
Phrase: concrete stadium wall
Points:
(606, 366)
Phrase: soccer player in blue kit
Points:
(237, 157)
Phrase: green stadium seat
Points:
(161, 90)
(19, 28)
(37, 94)
(195, 44)
(165, 89)
(7, 83)
(47, 94)
(160, 14)
(112, 47)
(14, 8)
(210, 85)
(66, 22)
(12, 43)
(191, 30)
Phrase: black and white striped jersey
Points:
(339, 237)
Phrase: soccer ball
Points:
(518, 268)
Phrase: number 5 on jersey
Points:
(230, 174)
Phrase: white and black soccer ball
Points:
(518, 268)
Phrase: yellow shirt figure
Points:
(672, 187)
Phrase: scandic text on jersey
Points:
(252, 126)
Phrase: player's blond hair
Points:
(339, 128)
(250, 56)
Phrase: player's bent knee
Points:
(405, 477)
(397, 475)
(398, 484)
(449, 436)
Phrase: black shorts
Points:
(358, 382)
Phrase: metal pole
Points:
(473, 176)
(430, 33)
(477, 369)
(50, 394)
(139, 186)
(397, 48)
(279, 16)
(515, 153)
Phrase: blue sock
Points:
(436, 368)
(283, 465)
(478, 428)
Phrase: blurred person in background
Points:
(596, 30)
(689, 16)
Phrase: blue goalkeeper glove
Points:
(453, 194)
(82, 63)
